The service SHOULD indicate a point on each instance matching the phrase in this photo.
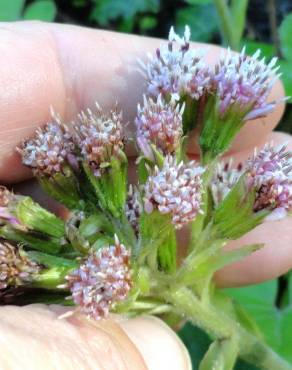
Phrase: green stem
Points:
(227, 26)
(220, 326)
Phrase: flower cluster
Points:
(270, 173)
(99, 137)
(224, 178)
(244, 83)
(176, 189)
(102, 280)
(15, 268)
(177, 70)
(47, 152)
(160, 123)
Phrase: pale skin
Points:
(69, 68)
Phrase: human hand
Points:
(70, 68)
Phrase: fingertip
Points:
(160, 347)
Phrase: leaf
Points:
(285, 32)
(286, 70)
(197, 342)
(147, 23)
(238, 11)
(195, 16)
(107, 10)
(275, 323)
(199, 2)
(221, 355)
(44, 10)
(11, 10)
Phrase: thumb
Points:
(33, 337)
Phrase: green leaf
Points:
(43, 10)
(285, 32)
(195, 16)
(199, 2)
(275, 323)
(267, 50)
(238, 11)
(11, 10)
(147, 23)
(197, 343)
(221, 355)
(107, 10)
(286, 70)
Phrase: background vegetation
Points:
(264, 24)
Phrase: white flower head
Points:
(160, 123)
(176, 69)
(176, 189)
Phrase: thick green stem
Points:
(219, 326)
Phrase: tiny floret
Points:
(99, 136)
(244, 83)
(270, 173)
(176, 189)
(224, 178)
(102, 280)
(160, 123)
(176, 69)
(46, 153)
(15, 267)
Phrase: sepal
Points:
(235, 216)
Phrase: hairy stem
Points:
(220, 326)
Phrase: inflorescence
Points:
(84, 254)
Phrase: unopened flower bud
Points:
(102, 280)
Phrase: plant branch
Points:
(221, 327)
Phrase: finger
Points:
(276, 257)
(70, 68)
(33, 333)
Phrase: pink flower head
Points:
(270, 173)
(15, 268)
(99, 137)
(176, 189)
(177, 69)
(160, 123)
(46, 153)
(244, 83)
(102, 280)
(225, 177)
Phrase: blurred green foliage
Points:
(270, 304)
